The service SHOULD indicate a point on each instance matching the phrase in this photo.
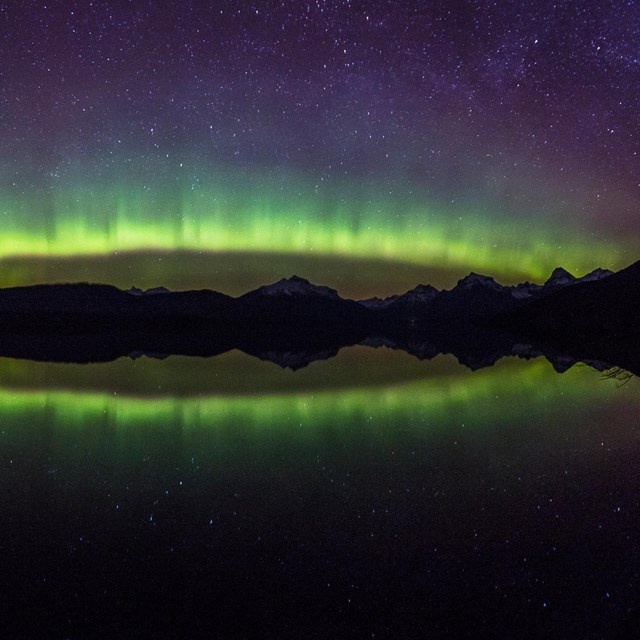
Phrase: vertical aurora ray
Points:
(291, 215)
(449, 398)
(368, 146)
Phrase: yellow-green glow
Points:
(226, 214)
(440, 400)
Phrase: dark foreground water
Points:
(369, 496)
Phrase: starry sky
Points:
(501, 137)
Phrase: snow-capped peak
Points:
(560, 277)
(476, 279)
(135, 291)
(418, 295)
(421, 293)
(524, 290)
(297, 286)
(596, 274)
(377, 303)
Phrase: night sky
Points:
(501, 137)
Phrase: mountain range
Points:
(293, 322)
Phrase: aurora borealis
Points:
(365, 145)
(476, 136)
(269, 495)
(237, 393)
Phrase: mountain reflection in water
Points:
(360, 380)
(371, 491)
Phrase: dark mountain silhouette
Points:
(416, 297)
(297, 320)
(473, 296)
(593, 318)
(293, 322)
(605, 307)
(79, 308)
(295, 301)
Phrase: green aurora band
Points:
(440, 401)
(284, 214)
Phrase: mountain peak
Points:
(295, 285)
(476, 279)
(423, 289)
(560, 276)
(421, 293)
(135, 291)
(596, 274)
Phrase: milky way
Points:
(473, 135)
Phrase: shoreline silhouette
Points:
(293, 322)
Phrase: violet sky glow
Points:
(493, 136)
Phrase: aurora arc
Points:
(442, 400)
(260, 213)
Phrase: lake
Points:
(370, 495)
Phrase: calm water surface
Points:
(372, 494)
